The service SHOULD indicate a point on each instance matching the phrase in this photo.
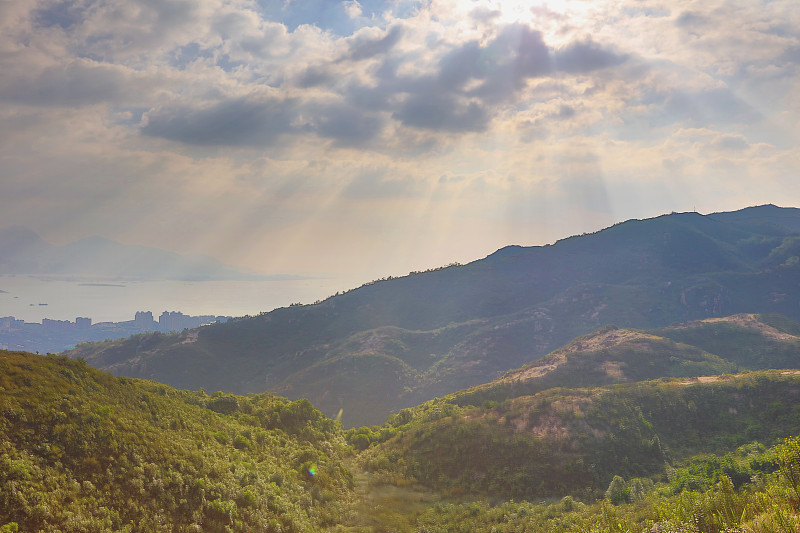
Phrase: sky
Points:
(366, 139)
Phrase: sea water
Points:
(33, 298)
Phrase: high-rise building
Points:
(144, 320)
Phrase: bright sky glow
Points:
(371, 138)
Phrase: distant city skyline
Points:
(167, 321)
(57, 335)
(119, 301)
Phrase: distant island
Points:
(53, 336)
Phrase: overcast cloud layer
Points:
(372, 138)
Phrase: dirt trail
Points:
(385, 507)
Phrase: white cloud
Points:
(218, 116)
(352, 8)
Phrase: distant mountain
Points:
(23, 252)
(612, 355)
(398, 342)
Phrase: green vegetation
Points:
(81, 450)
(575, 442)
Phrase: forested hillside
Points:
(431, 333)
(81, 450)
(574, 441)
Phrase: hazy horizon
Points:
(118, 301)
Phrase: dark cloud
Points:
(79, 82)
(261, 121)
(367, 47)
(501, 86)
(368, 97)
(238, 122)
(791, 55)
(564, 112)
(503, 65)
(463, 95)
(442, 113)
(523, 48)
(586, 56)
(730, 143)
(690, 19)
(348, 126)
(460, 65)
(314, 77)
(502, 68)
(62, 14)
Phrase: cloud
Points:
(586, 56)
(484, 14)
(314, 76)
(691, 19)
(249, 121)
(730, 143)
(437, 112)
(77, 82)
(352, 8)
(364, 47)
(64, 14)
(466, 85)
(348, 126)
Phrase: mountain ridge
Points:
(509, 309)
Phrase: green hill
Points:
(431, 333)
(81, 450)
(752, 342)
(613, 355)
(574, 441)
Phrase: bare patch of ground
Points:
(613, 369)
(751, 321)
(599, 341)
(701, 379)
(191, 337)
